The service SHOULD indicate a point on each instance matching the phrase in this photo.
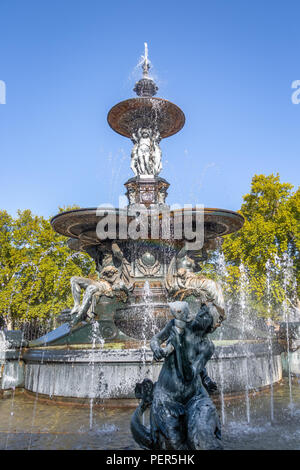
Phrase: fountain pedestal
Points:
(147, 190)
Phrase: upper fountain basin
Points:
(128, 116)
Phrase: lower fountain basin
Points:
(142, 321)
(79, 223)
(109, 374)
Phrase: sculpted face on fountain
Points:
(145, 133)
(181, 311)
(110, 273)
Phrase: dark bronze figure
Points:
(182, 415)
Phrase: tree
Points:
(36, 267)
(267, 247)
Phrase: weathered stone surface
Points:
(116, 371)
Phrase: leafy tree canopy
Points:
(267, 246)
(36, 267)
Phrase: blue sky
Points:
(228, 64)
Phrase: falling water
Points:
(243, 310)
(134, 74)
(116, 163)
(287, 265)
(36, 266)
(148, 321)
(96, 339)
(34, 409)
(72, 256)
(221, 272)
(148, 317)
(270, 344)
(22, 331)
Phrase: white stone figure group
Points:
(111, 281)
(181, 281)
(146, 153)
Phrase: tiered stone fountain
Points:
(101, 348)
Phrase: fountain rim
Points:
(125, 211)
(81, 352)
(83, 213)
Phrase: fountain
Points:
(146, 256)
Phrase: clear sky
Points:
(228, 64)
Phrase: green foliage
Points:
(36, 267)
(271, 234)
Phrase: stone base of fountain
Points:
(111, 372)
(291, 363)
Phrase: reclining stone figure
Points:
(113, 281)
(109, 284)
(182, 281)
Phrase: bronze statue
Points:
(182, 415)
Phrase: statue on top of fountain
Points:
(146, 153)
(113, 282)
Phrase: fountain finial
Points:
(145, 87)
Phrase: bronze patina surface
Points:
(129, 115)
(81, 223)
